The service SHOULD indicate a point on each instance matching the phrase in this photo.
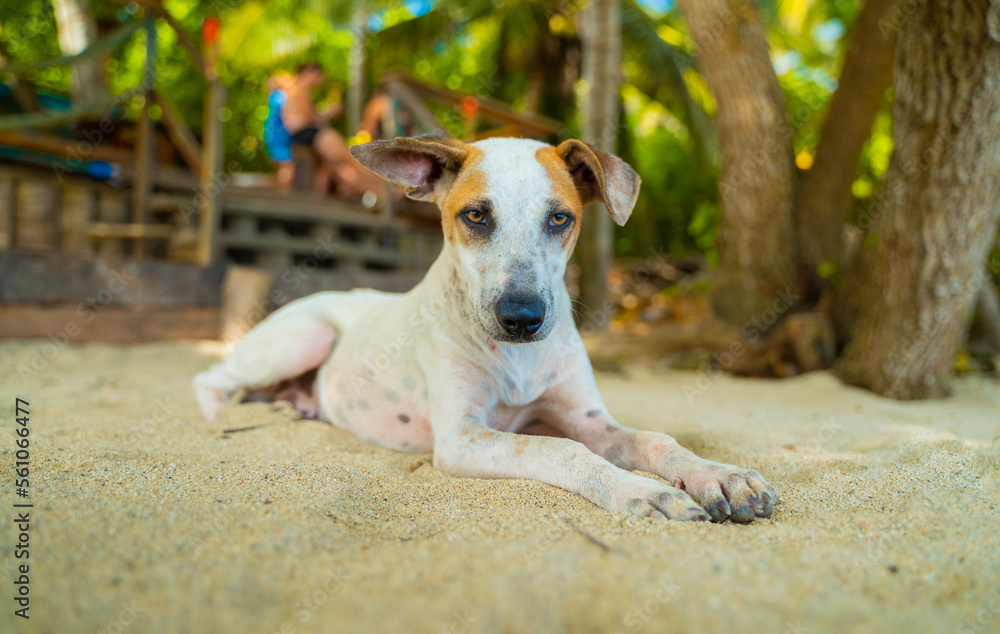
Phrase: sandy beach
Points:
(148, 519)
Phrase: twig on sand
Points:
(590, 538)
(236, 430)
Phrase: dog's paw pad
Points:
(671, 504)
(728, 492)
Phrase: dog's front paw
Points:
(649, 498)
(726, 491)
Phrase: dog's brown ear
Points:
(601, 176)
(425, 165)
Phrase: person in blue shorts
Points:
(277, 139)
(311, 128)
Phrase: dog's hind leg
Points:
(291, 342)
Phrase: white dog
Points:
(485, 346)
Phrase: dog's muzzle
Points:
(520, 316)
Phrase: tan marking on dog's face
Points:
(564, 189)
(518, 186)
(469, 185)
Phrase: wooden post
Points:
(356, 69)
(8, 211)
(245, 300)
(78, 208)
(210, 178)
(182, 136)
(142, 182)
(38, 204)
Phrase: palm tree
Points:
(757, 258)
(602, 54)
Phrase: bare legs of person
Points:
(351, 179)
(285, 174)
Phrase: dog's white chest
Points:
(514, 391)
(520, 375)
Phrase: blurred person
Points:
(277, 139)
(310, 127)
(380, 109)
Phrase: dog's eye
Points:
(559, 220)
(475, 216)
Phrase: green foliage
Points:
(677, 210)
(28, 34)
(523, 52)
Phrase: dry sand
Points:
(150, 520)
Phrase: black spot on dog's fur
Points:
(404, 418)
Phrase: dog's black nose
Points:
(521, 316)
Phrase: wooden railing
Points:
(411, 92)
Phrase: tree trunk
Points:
(355, 101)
(824, 196)
(602, 46)
(77, 30)
(907, 294)
(756, 237)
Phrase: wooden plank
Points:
(58, 278)
(412, 102)
(172, 178)
(489, 108)
(311, 246)
(94, 108)
(298, 206)
(66, 323)
(301, 208)
(288, 288)
(104, 230)
(51, 144)
(181, 135)
(168, 202)
(44, 175)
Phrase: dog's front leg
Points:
(575, 408)
(465, 446)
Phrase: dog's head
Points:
(511, 209)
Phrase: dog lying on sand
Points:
(485, 365)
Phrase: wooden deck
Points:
(275, 232)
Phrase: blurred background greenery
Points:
(523, 52)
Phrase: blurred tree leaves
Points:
(524, 52)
